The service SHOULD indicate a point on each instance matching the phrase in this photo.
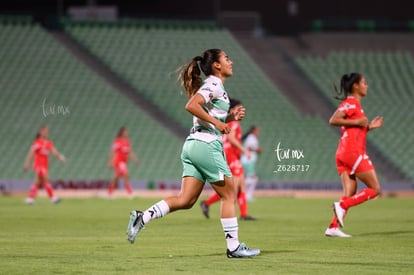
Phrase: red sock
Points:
(33, 191)
(334, 223)
(212, 199)
(49, 190)
(241, 199)
(128, 188)
(111, 189)
(358, 198)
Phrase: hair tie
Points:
(198, 58)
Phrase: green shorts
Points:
(249, 168)
(204, 161)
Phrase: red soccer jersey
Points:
(41, 148)
(353, 138)
(121, 147)
(231, 151)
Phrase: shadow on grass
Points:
(386, 233)
(263, 252)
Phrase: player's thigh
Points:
(225, 189)
(370, 179)
(349, 184)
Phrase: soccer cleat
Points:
(339, 213)
(55, 200)
(247, 218)
(336, 232)
(242, 252)
(135, 225)
(29, 201)
(205, 209)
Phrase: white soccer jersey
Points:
(251, 141)
(216, 104)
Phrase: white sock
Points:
(231, 232)
(158, 210)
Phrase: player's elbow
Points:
(189, 107)
(333, 122)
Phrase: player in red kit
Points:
(232, 146)
(119, 155)
(39, 150)
(352, 160)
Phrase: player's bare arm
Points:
(29, 158)
(376, 122)
(194, 106)
(58, 155)
(238, 114)
(338, 119)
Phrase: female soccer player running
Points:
(40, 149)
(251, 142)
(202, 154)
(119, 155)
(352, 160)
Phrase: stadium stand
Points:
(148, 56)
(42, 84)
(39, 75)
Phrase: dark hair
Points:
(347, 81)
(245, 135)
(190, 74)
(120, 131)
(234, 102)
(38, 132)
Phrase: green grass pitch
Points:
(87, 236)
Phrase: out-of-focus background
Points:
(86, 68)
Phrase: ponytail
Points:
(347, 81)
(190, 74)
(190, 77)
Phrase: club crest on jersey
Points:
(210, 104)
(347, 106)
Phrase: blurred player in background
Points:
(121, 151)
(251, 142)
(233, 149)
(39, 151)
(202, 154)
(352, 160)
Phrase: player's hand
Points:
(223, 127)
(362, 122)
(239, 112)
(62, 159)
(376, 122)
(247, 153)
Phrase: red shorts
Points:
(236, 168)
(40, 171)
(121, 168)
(353, 163)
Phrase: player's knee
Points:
(231, 197)
(377, 191)
(187, 203)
